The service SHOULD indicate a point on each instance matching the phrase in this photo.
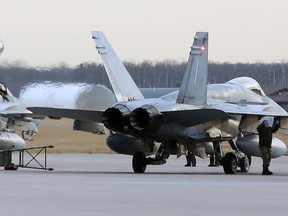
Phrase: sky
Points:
(52, 32)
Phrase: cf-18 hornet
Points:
(199, 116)
(14, 117)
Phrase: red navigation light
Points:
(202, 48)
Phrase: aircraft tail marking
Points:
(193, 89)
(123, 85)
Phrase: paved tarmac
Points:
(104, 184)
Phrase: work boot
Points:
(188, 159)
(266, 171)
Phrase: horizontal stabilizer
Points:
(84, 115)
(189, 118)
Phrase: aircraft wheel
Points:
(230, 163)
(250, 159)
(244, 164)
(139, 162)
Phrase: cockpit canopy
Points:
(249, 83)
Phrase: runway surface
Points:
(104, 184)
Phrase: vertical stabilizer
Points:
(123, 85)
(193, 89)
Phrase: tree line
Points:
(145, 74)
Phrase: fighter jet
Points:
(196, 115)
(14, 117)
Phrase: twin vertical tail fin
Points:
(193, 89)
(123, 85)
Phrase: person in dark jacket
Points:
(265, 140)
(190, 157)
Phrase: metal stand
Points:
(6, 158)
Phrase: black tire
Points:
(139, 162)
(244, 164)
(250, 159)
(230, 163)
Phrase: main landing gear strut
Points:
(139, 161)
(230, 161)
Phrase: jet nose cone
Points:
(1, 47)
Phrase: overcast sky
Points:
(47, 32)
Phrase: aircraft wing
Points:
(186, 118)
(259, 110)
(11, 107)
(15, 113)
(263, 113)
(84, 115)
(190, 118)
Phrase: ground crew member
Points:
(216, 155)
(265, 140)
(191, 159)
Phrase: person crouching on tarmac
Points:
(265, 140)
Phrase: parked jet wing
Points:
(84, 115)
(15, 113)
(190, 118)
